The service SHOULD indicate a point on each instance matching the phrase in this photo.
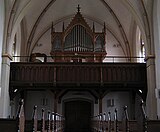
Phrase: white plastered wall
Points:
(121, 99)
(42, 99)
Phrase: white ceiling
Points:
(120, 17)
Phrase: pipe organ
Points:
(78, 42)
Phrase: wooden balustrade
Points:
(73, 73)
(50, 76)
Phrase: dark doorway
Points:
(77, 116)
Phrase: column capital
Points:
(149, 57)
(6, 58)
(150, 60)
(6, 55)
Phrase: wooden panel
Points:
(153, 125)
(78, 73)
(8, 125)
(77, 116)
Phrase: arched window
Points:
(14, 47)
(142, 47)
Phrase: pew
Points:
(103, 123)
(149, 125)
(14, 124)
(53, 123)
(8, 125)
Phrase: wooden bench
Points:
(54, 122)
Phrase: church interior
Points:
(80, 65)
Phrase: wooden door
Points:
(77, 115)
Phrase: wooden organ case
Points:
(78, 42)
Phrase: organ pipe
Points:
(79, 40)
(78, 37)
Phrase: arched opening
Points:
(140, 48)
(77, 116)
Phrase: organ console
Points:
(78, 42)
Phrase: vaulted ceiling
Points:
(121, 17)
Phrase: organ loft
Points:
(78, 42)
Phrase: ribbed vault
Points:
(120, 17)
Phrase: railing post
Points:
(97, 123)
(55, 122)
(126, 120)
(109, 122)
(21, 117)
(49, 121)
(100, 122)
(115, 121)
(43, 122)
(61, 126)
(58, 123)
(52, 122)
(104, 122)
(144, 117)
(34, 119)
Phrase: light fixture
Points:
(140, 91)
(15, 90)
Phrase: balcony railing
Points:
(111, 59)
(80, 76)
(78, 73)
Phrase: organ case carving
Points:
(78, 42)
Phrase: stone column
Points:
(2, 23)
(151, 102)
(5, 109)
(158, 81)
(156, 26)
